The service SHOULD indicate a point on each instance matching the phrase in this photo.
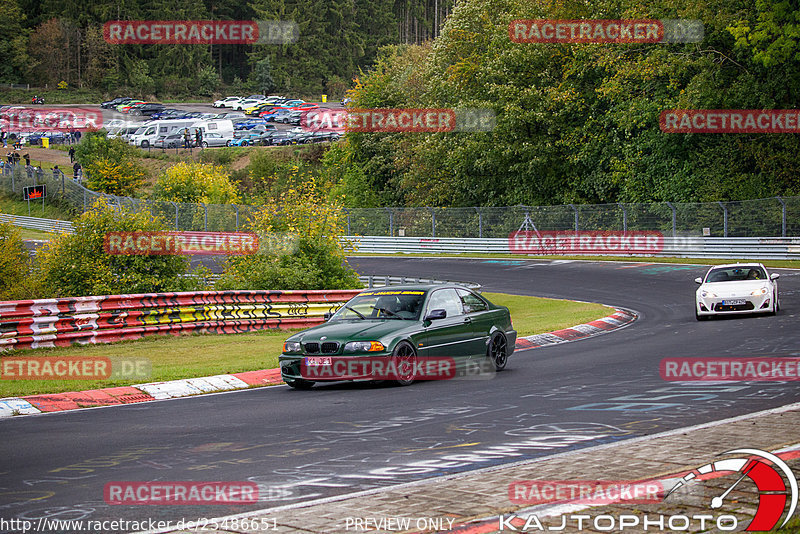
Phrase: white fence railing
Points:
(775, 248)
(35, 223)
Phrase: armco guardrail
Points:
(35, 223)
(372, 280)
(776, 248)
(31, 324)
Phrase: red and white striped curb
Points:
(74, 400)
(618, 319)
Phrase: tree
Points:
(262, 76)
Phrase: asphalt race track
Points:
(338, 439)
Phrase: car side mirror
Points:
(326, 317)
(774, 276)
(698, 280)
(436, 314)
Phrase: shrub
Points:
(196, 182)
(109, 164)
(315, 261)
(76, 264)
(15, 279)
(114, 177)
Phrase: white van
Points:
(152, 130)
(223, 127)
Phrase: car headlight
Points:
(292, 346)
(762, 291)
(705, 294)
(364, 346)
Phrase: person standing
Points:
(186, 138)
(27, 158)
(71, 154)
(76, 172)
(198, 137)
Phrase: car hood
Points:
(735, 289)
(357, 330)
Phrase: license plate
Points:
(734, 302)
(318, 360)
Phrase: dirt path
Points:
(40, 155)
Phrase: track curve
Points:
(339, 439)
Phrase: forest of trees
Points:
(579, 123)
(45, 42)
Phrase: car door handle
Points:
(467, 320)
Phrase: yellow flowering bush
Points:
(305, 217)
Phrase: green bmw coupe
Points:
(402, 333)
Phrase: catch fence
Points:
(766, 217)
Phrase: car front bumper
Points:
(762, 303)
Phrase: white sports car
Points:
(736, 289)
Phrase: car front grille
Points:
(330, 347)
(736, 307)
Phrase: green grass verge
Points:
(203, 355)
(20, 207)
(788, 264)
(27, 233)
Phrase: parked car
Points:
(111, 104)
(172, 140)
(247, 124)
(279, 138)
(147, 109)
(126, 106)
(256, 97)
(244, 104)
(736, 289)
(304, 106)
(215, 139)
(230, 115)
(401, 328)
(227, 102)
(281, 115)
(255, 110)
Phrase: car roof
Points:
(732, 265)
(413, 287)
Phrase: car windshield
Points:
(736, 274)
(383, 304)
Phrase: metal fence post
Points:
(783, 216)
(205, 217)
(576, 216)
(347, 211)
(480, 223)
(724, 218)
(176, 215)
(84, 200)
(674, 219)
(433, 221)
(236, 207)
(624, 217)
(391, 221)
